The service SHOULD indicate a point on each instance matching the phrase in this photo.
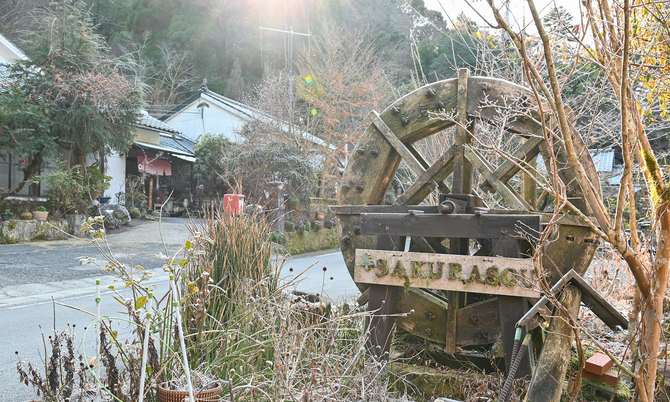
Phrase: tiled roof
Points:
(150, 122)
(182, 143)
(239, 109)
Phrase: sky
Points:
(519, 10)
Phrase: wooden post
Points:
(547, 382)
(511, 309)
(462, 167)
(528, 185)
(279, 215)
(382, 305)
(151, 193)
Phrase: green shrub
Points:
(134, 213)
(289, 226)
(64, 189)
(277, 237)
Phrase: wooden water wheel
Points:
(450, 317)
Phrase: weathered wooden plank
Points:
(598, 304)
(392, 209)
(440, 184)
(563, 219)
(503, 189)
(479, 324)
(489, 275)
(528, 184)
(464, 226)
(423, 313)
(396, 143)
(464, 136)
(382, 301)
(547, 382)
(593, 300)
(511, 309)
(426, 178)
(451, 324)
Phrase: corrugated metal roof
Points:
(604, 160)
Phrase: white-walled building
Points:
(9, 52)
(209, 112)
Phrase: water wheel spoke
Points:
(501, 187)
(526, 152)
(437, 172)
(400, 148)
(442, 188)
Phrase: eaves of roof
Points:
(162, 148)
(12, 47)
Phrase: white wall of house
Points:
(216, 120)
(115, 166)
(9, 52)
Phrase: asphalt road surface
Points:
(35, 275)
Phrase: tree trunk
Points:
(653, 310)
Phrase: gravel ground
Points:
(39, 262)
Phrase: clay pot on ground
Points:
(40, 215)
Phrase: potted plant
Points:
(98, 183)
(7, 214)
(329, 223)
(300, 227)
(40, 213)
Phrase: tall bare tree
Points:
(617, 28)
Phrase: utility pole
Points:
(290, 63)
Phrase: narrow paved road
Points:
(34, 275)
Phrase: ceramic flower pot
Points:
(40, 215)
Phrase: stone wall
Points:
(19, 231)
(323, 239)
(308, 211)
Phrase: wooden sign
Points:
(462, 273)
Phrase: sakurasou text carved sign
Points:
(462, 273)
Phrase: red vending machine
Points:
(233, 204)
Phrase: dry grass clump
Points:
(265, 342)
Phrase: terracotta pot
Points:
(40, 215)
(320, 216)
(167, 395)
